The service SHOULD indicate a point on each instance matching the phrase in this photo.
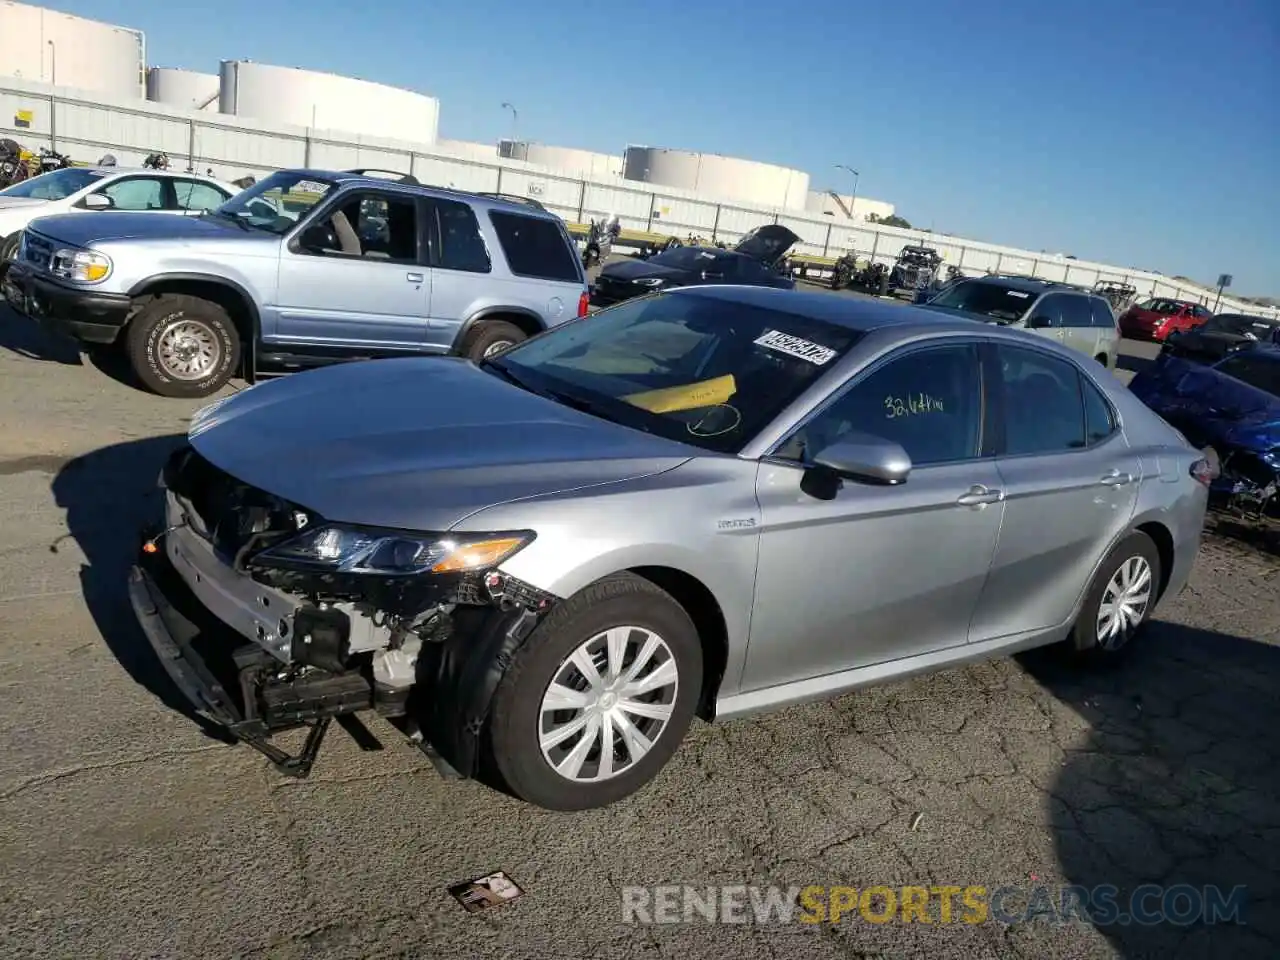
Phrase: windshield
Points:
(705, 371)
(276, 203)
(1259, 370)
(1003, 303)
(1238, 323)
(1160, 306)
(57, 185)
(686, 258)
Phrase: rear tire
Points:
(182, 346)
(488, 338)
(647, 621)
(1118, 605)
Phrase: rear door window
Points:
(1102, 314)
(1076, 311)
(460, 247)
(535, 247)
(1043, 405)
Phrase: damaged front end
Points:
(269, 617)
(1249, 484)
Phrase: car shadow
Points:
(1173, 778)
(26, 338)
(108, 496)
(1133, 364)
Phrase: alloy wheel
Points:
(188, 349)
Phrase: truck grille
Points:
(227, 512)
(35, 250)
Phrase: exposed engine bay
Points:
(271, 646)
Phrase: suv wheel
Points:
(9, 246)
(489, 338)
(1120, 600)
(598, 698)
(182, 346)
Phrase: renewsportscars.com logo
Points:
(1103, 905)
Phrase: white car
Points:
(86, 189)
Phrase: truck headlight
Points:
(342, 549)
(83, 266)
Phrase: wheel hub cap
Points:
(607, 704)
(1125, 603)
(188, 349)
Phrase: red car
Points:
(1158, 317)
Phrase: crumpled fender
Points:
(456, 680)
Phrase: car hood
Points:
(768, 244)
(644, 270)
(20, 203)
(416, 443)
(1210, 404)
(79, 229)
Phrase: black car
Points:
(754, 261)
(1221, 335)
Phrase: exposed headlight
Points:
(387, 553)
(82, 265)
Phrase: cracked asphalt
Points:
(126, 831)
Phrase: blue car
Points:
(1232, 406)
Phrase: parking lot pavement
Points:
(126, 832)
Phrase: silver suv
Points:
(1075, 317)
(304, 268)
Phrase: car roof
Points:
(344, 177)
(849, 312)
(1033, 285)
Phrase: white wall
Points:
(185, 89)
(46, 46)
(469, 149)
(822, 201)
(714, 175)
(580, 163)
(89, 125)
(305, 98)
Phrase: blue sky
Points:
(1105, 130)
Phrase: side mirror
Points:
(861, 457)
(98, 201)
(1038, 322)
(317, 237)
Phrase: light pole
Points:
(515, 120)
(53, 103)
(853, 197)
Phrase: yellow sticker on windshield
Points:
(673, 399)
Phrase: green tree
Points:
(891, 221)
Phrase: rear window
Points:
(535, 247)
(1103, 316)
(1161, 306)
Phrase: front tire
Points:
(182, 346)
(598, 698)
(1118, 605)
(489, 338)
(9, 246)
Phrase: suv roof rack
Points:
(513, 198)
(379, 174)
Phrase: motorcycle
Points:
(600, 238)
(13, 166)
(50, 160)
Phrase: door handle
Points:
(413, 277)
(980, 496)
(1116, 479)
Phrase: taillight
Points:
(584, 303)
(1204, 471)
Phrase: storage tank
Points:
(185, 89)
(713, 175)
(305, 98)
(579, 163)
(45, 46)
(844, 206)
